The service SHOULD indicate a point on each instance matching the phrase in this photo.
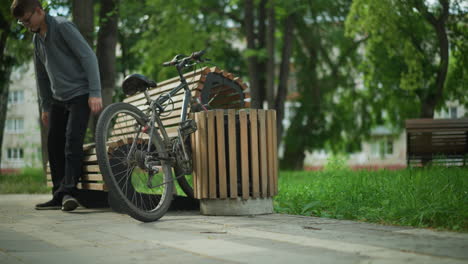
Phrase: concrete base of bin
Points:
(236, 206)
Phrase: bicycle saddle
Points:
(135, 83)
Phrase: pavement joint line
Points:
(364, 250)
(12, 256)
(33, 232)
(419, 231)
(172, 245)
(370, 251)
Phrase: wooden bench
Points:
(220, 88)
(443, 141)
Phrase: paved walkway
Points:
(101, 236)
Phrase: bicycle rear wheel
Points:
(121, 148)
(185, 182)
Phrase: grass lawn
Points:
(434, 197)
(425, 197)
(30, 180)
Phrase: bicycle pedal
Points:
(188, 126)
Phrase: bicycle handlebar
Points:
(177, 59)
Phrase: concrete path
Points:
(101, 236)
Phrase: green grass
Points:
(29, 180)
(139, 180)
(32, 180)
(431, 197)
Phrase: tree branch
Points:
(432, 98)
(220, 11)
(419, 5)
(342, 57)
(445, 10)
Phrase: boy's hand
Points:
(95, 104)
(45, 118)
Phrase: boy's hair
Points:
(20, 7)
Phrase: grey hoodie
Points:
(66, 66)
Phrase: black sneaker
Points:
(50, 205)
(69, 203)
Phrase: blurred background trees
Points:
(340, 67)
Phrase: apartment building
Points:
(21, 140)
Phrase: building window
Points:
(453, 112)
(16, 97)
(15, 154)
(382, 147)
(15, 125)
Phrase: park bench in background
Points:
(217, 88)
(443, 141)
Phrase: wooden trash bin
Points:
(235, 161)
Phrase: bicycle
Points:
(135, 154)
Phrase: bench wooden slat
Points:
(244, 142)
(164, 88)
(254, 153)
(263, 153)
(428, 125)
(177, 97)
(221, 154)
(212, 181)
(232, 152)
(88, 177)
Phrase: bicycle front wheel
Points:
(121, 148)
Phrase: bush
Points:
(29, 180)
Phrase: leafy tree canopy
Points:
(404, 53)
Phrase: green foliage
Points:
(337, 163)
(29, 180)
(402, 53)
(457, 78)
(177, 27)
(433, 197)
(18, 48)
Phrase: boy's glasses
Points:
(26, 21)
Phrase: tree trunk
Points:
(270, 44)
(262, 62)
(105, 52)
(294, 153)
(83, 17)
(252, 61)
(5, 70)
(284, 73)
(294, 162)
(107, 41)
(439, 25)
(4, 87)
(299, 132)
(3, 40)
(428, 107)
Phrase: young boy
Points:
(67, 76)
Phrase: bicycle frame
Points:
(156, 104)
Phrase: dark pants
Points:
(68, 121)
